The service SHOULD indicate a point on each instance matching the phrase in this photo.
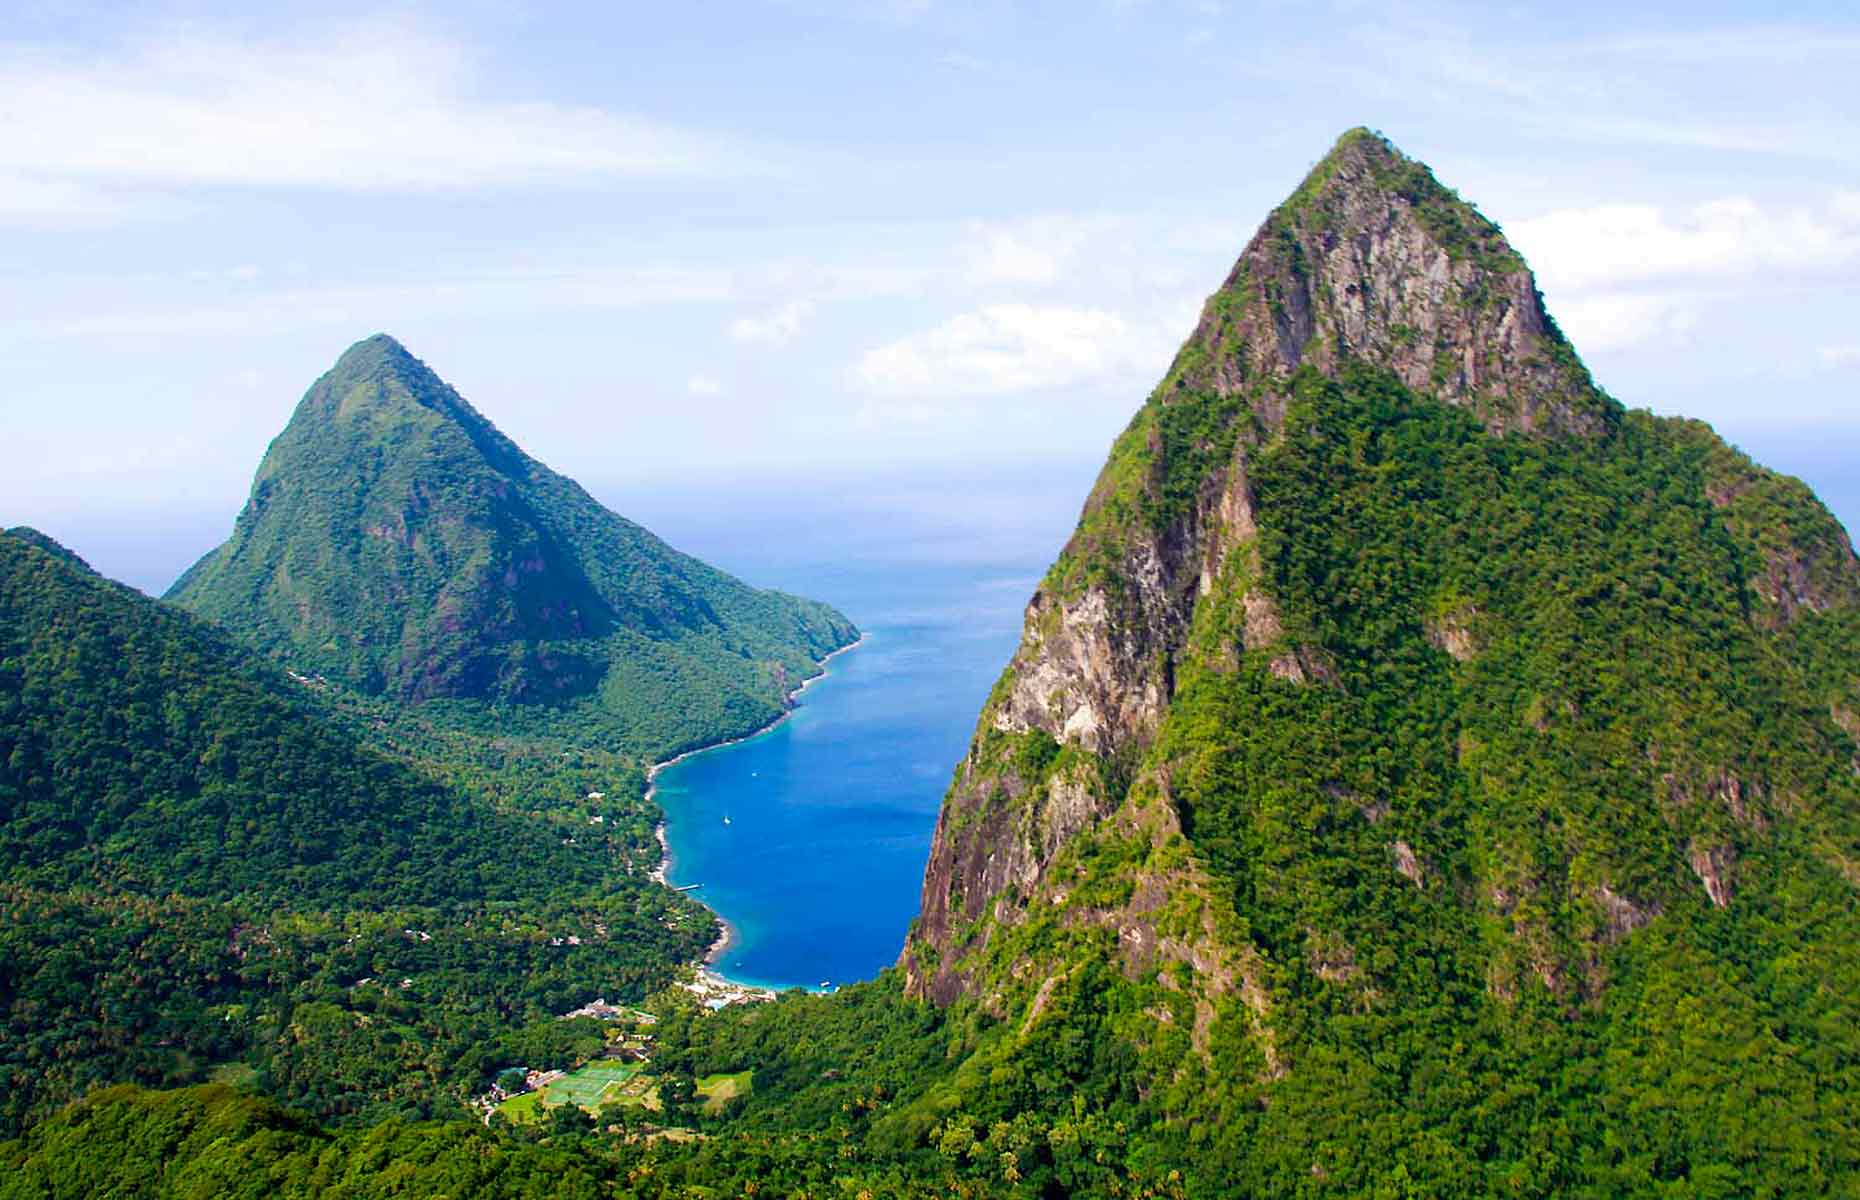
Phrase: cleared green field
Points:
(523, 1109)
(600, 1082)
(642, 1090)
(716, 1089)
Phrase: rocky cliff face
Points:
(1373, 259)
(1069, 823)
(1370, 258)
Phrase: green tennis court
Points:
(591, 1086)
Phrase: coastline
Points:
(727, 935)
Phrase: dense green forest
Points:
(398, 544)
(814, 1126)
(201, 870)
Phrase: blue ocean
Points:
(810, 838)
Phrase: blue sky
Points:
(670, 243)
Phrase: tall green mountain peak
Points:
(396, 541)
(1399, 691)
(1372, 258)
(1419, 775)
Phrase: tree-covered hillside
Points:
(198, 868)
(397, 543)
(1458, 767)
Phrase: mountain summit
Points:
(1373, 259)
(1396, 679)
(395, 540)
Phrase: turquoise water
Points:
(810, 838)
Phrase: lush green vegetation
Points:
(201, 868)
(836, 1106)
(213, 1142)
(1548, 1001)
(398, 544)
(1546, 864)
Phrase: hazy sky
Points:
(660, 242)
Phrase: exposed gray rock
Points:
(1623, 914)
(1452, 634)
(1374, 259)
(1715, 866)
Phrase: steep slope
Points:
(397, 542)
(1399, 689)
(141, 749)
(188, 849)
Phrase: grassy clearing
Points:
(591, 1086)
(609, 1082)
(718, 1090)
(642, 1090)
(522, 1109)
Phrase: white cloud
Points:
(1839, 356)
(776, 328)
(1659, 91)
(35, 202)
(904, 10)
(261, 310)
(378, 107)
(1036, 250)
(1620, 275)
(1006, 348)
(957, 61)
(1626, 243)
(1615, 321)
(243, 273)
(1005, 257)
(1781, 46)
(890, 413)
(703, 385)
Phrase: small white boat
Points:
(726, 820)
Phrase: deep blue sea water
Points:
(810, 838)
